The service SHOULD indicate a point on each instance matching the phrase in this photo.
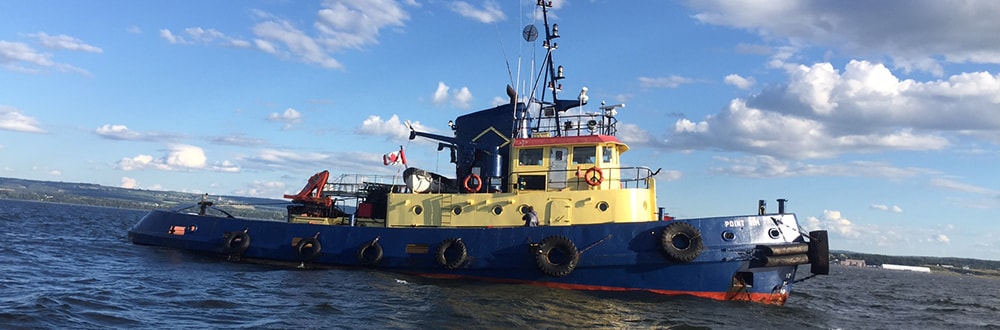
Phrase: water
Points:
(66, 266)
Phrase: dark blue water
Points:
(65, 266)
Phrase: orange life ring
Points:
(479, 183)
(594, 176)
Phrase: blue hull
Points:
(732, 265)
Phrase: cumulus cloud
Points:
(489, 13)
(739, 81)
(461, 98)
(834, 222)
(129, 183)
(916, 34)
(886, 208)
(289, 117)
(392, 128)
(822, 112)
(12, 119)
(178, 157)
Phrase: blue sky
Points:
(878, 120)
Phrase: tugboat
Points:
(539, 196)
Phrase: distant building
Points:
(909, 268)
(853, 262)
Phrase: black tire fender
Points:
(455, 248)
(566, 251)
(681, 242)
(370, 253)
(237, 243)
(308, 248)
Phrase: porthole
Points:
(523, 209)
(497, 210)
(728, 235)
(456, 210)
(603, 206)
(774, 232)
(418, 210)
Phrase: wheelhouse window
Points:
(584, 155)
(607, 153)
(530, 157)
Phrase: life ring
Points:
(452, 247)
(370, 253)
(594, 176)
(479, 183)
(308, 248)
(237, 243)
(681, 242)
(566, 259)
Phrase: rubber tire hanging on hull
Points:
(451, 247)
(370, 253)
(565, 247)
(308, 248)
(681, 242)
(237, 243)
(819, 253)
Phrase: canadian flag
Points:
(394, 158)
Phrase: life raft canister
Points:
(560, 263)
(451, 253)
(237, 243)
(681, 242)
(308, 248)
(370, 253)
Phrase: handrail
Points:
(641, 179)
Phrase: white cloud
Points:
(961, 187)
(913, 32)
(834, 222)
(461, 98)
(663, 82)
(129, 183)
(122, 132)
(441, 93)
(822, 112)
(739, 81)
(392, 128)
(117, 132)
(65, 42)
(55, 173)
(20, 57)
(185, 156)
(171, 37)
(289, 117)
(886, 208)
(941, 238)
(12, 119)
(263, 189)
(178, 157)
(767, 166)
(489, 13)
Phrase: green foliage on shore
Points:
(139, 199)
(957, 265)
